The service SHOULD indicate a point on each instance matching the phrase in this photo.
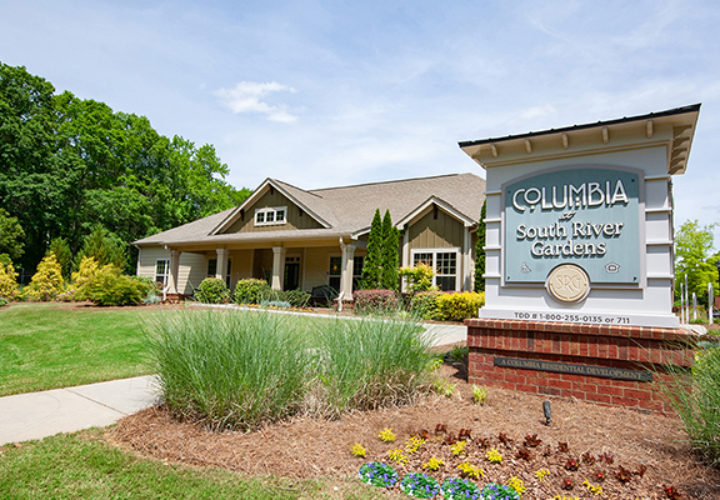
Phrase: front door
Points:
(292, 273)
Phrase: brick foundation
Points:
(626, 347)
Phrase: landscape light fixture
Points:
(547, 412)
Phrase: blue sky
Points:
(329, 93)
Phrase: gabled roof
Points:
(301, 198)
(343, 210)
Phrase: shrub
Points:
(367, 364)
(47, 281)
(418, 278)
(424, 304)
(110, 288)
(87, 270)
(375, 301)
(250, 291)
(459, 306)
(230, 369)
(213, 291)
(3, 302)
(696, 399)
(8, 281)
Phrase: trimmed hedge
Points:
(213, 291)
(424, 304)
(375, 301)
(459, 306)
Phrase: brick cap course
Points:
(636, 332)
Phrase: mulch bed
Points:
(310, 448)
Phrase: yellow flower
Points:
(458, 448)
(386, 435)
(413, 444)
(595, 489)
(398, 456)
(542, 474)
(469, 470)
(517, 484)
(433, 464)
(357, 450)
(563, 497)
(493, 455)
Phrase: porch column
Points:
(174, 272)
(405, 257)
(221, 267)
(468, 268)
(278, 272)
(347, 269)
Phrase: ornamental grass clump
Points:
(696, 399)
(371, 363)
(230, 369)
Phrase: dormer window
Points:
(270, 216)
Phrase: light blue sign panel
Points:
(583, 216)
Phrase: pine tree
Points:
(372, 268)
(480, 252)
(390, 254)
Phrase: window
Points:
(334, 273)
(270, 216)
(357, 271)
(444, 265)
(162, 271)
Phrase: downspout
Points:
(341, 295)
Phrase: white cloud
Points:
(248, 97)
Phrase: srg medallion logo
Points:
(568, 283)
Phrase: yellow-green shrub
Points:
(47, 281)
(418, 278)
(88, 269)
(8, 282)
(105, 286)
(459, 306)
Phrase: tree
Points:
(480, 251)
(11, 235)
(47, 282)
(390, 261)
(372, 268)
(693, 247)
(61, 249)
(103, 246)
(67, 164)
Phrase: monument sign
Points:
(579, 254)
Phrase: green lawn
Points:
(82, 465)
(43, 346)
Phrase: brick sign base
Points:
(598, 363)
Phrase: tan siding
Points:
(441, 232)
(192, 269)
(241, 265)
(294, 219)
(317, 263)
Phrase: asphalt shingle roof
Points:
(346, 209)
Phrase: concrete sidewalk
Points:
(40, 414)
(37, 415)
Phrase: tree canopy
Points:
(67, 164)
(693, 247)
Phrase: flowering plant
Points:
(419, 485)
(358, 450)
(413, 444)
(517, 484)
(595, 489)
(459, 489)
(433, 464)
(386, 435)
(469, 470)
(494, 491)
(458, 448)
(493, 455)
(397, 456)
(542, 474)
(378, 474)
